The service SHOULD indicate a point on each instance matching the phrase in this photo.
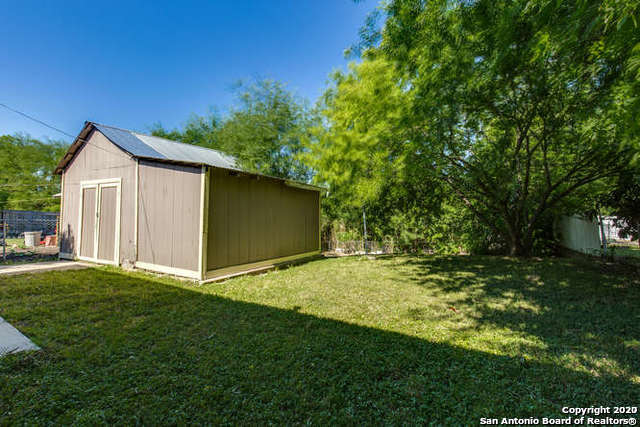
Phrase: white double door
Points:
(99, 222)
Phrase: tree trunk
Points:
(518, 246)
(514, 245)
(513, 250)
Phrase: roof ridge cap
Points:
(112, 127)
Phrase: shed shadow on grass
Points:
(574, 306)
(129, 349)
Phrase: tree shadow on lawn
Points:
(131, 349)
(577, 308)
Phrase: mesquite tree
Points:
(514, 105)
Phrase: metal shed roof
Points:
(153, 147)
(165, 150)
(127, 141)
(187, 152)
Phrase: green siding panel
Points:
(256, 218)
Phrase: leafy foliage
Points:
(513, 106)
(624, 201)
(266, 132)
(27, 179)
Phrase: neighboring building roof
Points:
(161, 149)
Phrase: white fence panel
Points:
(579, 234)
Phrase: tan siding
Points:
(253, 219)
(98, 159)
(169, 215)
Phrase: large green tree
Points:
(27, 179)
(624, 202)
(266, 131)
(515, 106)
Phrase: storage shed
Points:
(148, 202)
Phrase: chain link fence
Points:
(358, 247)
(20, 221)
(13, 225)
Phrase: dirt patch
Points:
(37, 254)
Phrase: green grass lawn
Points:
(11, 242)
(352, 340)
(627, 251)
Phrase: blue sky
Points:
(132, 64)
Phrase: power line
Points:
(36, 120)
(10, 201)
(29, 185)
